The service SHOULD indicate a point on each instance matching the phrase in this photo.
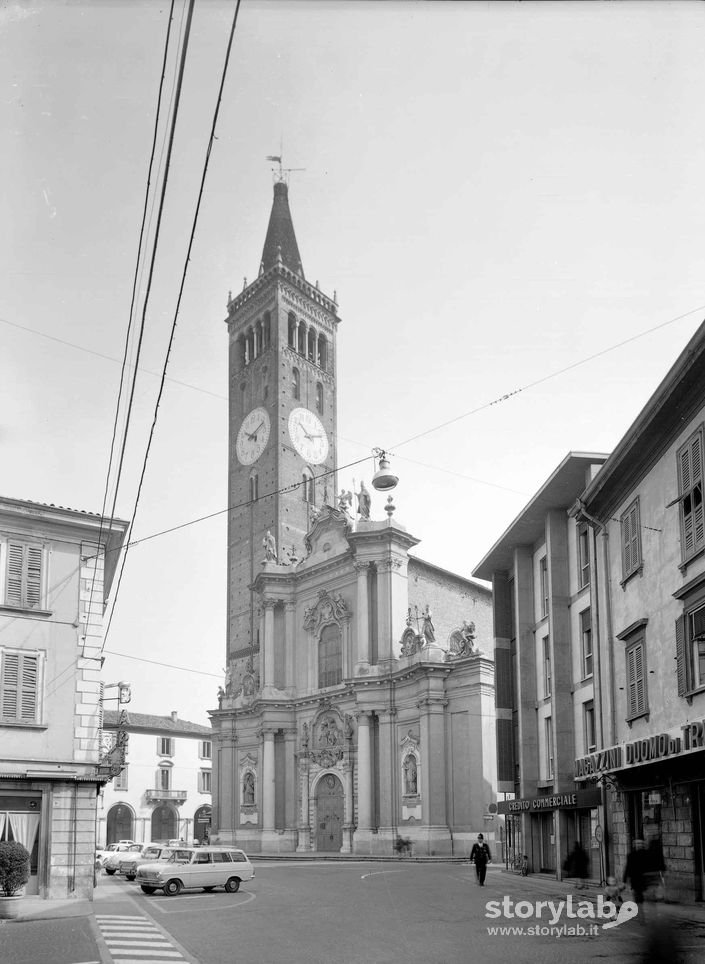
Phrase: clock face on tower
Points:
(308, 436)
(253, 436)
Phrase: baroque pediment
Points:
(328, 535)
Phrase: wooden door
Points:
(329, 814)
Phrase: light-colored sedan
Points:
(111, 862)
(150, 854)
(205, 868)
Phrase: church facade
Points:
(358, 705)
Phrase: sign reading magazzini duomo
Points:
(358, 701)
(690, 737)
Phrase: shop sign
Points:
(572, 800)
(689, 737)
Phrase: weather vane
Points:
(281, 176)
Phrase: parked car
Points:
(112, 862)
(151, 853)
(114, 848)
(205, 867)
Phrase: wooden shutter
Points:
(631, 555)
(635, 680)
(681, 657)
(24, 575)
(690, 463)
(18, 687)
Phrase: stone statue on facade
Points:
(428, 631)
(364, 502)
(270, 547)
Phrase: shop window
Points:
(690, 493)
(586, 642)
(631, 540)
(20, 686)
(690, 640)
(583, 556)
(330, 657)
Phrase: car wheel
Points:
(130, 876)
(147, 890)
(232, 885)
(172, 887)
(109, 871)
(209, 889)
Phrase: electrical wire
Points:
(183, 275)
(128, 333)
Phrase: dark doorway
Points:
(120, 824)
(164, 824)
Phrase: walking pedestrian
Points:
(636, 870)
(480, 855)
(576, 865)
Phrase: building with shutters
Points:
(164, 789)
(358, 705)
(56, 569)
(546, 673)
(646, 517)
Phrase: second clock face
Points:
(253, 436)
(308, 436)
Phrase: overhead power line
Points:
(211, 140)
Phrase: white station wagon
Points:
(203, 867)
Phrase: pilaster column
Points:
(363, 617)
(268, 643)
(289, 629)
(388, 763)
(364, 775)
(268, 786)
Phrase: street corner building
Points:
(163, 791)
(56, 569)
(599, 636)
(358, 705)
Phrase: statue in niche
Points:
(270, 547)
(228, 681)
(428, 630)
(329, 734)
(410, 776)
(248, 789)
(349, 733)
(364, 502)
(249, 685)
(305, 737)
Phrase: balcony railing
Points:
(158, 796)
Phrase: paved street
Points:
(401, 912)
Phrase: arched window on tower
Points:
(296, 383)
(267, 329)
(241, 351)
(254, 487)
(292, 330)
(251, 352)
(323, 352)
(309, 487)
(301, 347)
(330, 656)
(319, 398)
(311, 345)
(258, 339)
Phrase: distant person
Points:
(577, 864)
(480, 855)
(636, 870)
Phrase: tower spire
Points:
(280, 243)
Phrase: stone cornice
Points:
(285, 275)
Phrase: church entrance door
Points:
(329, 814)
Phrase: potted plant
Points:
(14, 874)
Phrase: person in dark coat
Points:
(480, 856)
(637, 870)
(578, 863)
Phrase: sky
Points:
(496, 192)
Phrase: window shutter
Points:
(33, 577)
(18, 687)
(681, 657)
(639, 678)
(14, 573)
(626, 547)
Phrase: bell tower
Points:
(282, 440)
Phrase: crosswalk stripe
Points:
(124, 942)
(133, 939)
(151, 953)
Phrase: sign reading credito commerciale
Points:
(690, 737)
(572, 800)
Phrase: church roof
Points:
(281, 239)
